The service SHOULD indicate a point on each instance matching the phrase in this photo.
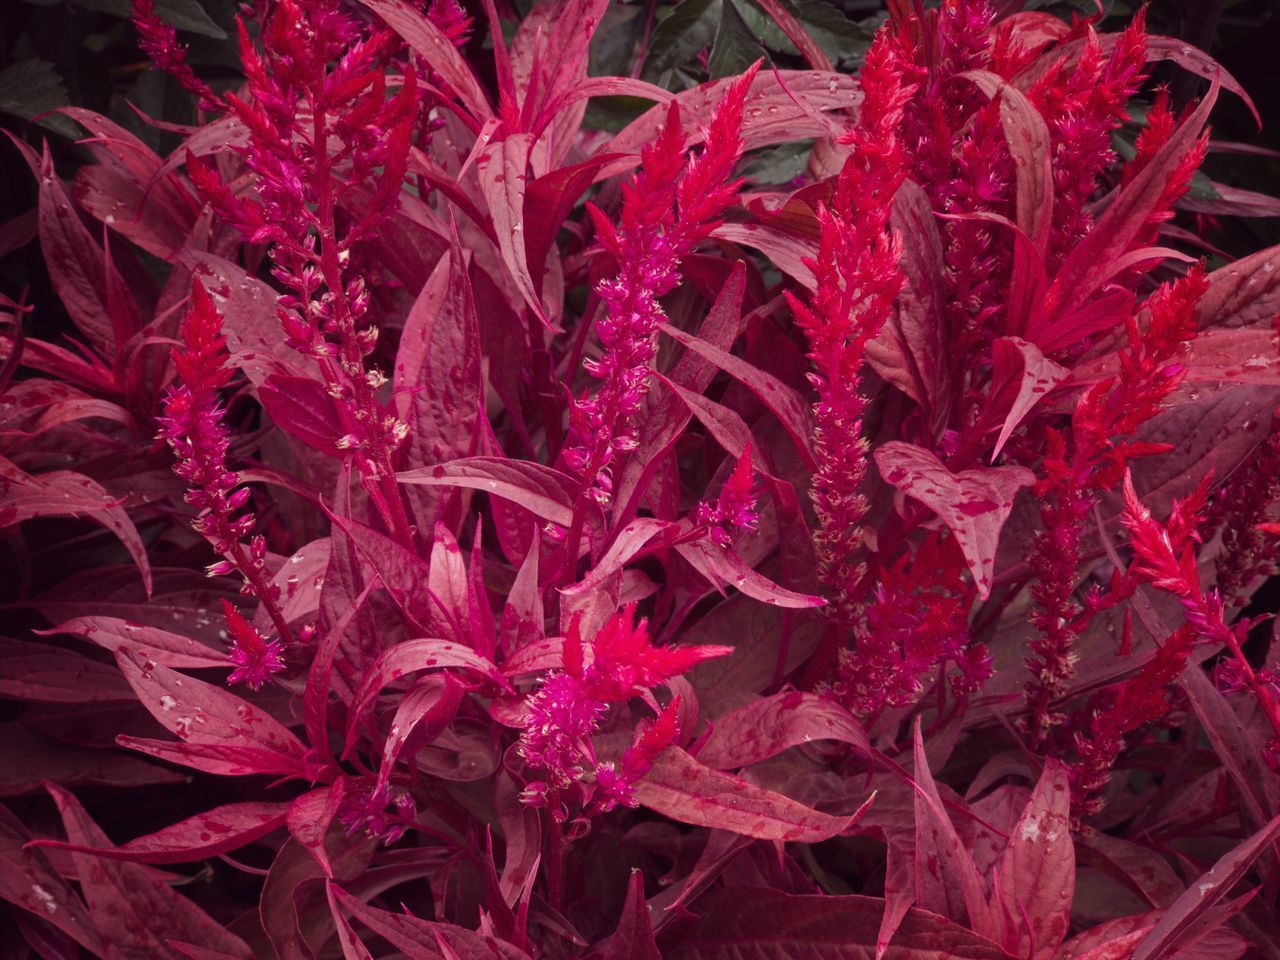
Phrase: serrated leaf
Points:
(30, 88)
(681, 36)
(735, 47)
(186, 15)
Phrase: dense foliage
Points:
(501, 490)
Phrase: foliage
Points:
(547, 483)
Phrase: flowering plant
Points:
(454, 525)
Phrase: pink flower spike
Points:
(256, 658)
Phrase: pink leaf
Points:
(1204, 893)
(683, 789)
(721, 565)
(303, 409)
(202, 714)
(28, 880)
(27, 759)
(424, 711)
(501, 168)
(43, 672)
(1036, 875)
(425, 939)
(974, 504)
(1021, 377)
(164, 647)
(633, 940)
(543, 491)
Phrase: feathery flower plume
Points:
(193, 426)
(734, 510)
(858, 279)
(1090, 461)
(257, 659)
(668, 207)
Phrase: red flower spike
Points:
(626, 662)
(257, 659)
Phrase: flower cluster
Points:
(256, 658)
(734, 511)
(570, 703)
(159, 41)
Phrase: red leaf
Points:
(425, 939)
(1243, 293)
(27, 759)
(946, 879)
(132, 907)
(766, 727)
(721, 565)
(763, 924)
(34, 671)
(424, 711)
(437, 383)
(1021, 377)
(974, 504)
(205, 835)
(204, 715)
(548, 201)
(633, 940)
(1036, 875)
(501, 167)
(543, 491)
(430, 41)
(683, 789)
(1201, 896)
(28, 880)
(303, 409)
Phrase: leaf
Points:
(132, 907)
(187, 15)
(762, 924)
(734, 48)
(722, 565)
(437, 381)
(201, 714)
(423, 712)
(207, 834)
(680, 36)
(766, 727)
(30, 89)
(1036, 874)
(633, 939)
(1201, 896)
(43, 672)
(164, 647)
(430, 41)
(28, 880)
(783, 401)
(946, 878)
(543, 491)
(425, 939)
(28, 758)
(548, 201)
(1242, 293)
(302, 408)
(1021, 376)
(501, 167)
(683, 789)
(974, 504)
(66, 493)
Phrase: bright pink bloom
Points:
(257, 659)
(734, 511)
(159, 41)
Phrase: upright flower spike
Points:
(858, 279)
(1090, 461)
(192, 424)
(322, 129)
(734, 510)
(666, 210)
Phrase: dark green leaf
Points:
(681, 36)
(30, 88)
(186, 15)
(735, 48)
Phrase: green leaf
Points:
(187, 15)
(778, 165)
(765, 30)
(735, 48)
(30, 88)
(839, 37)
(681, 36)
